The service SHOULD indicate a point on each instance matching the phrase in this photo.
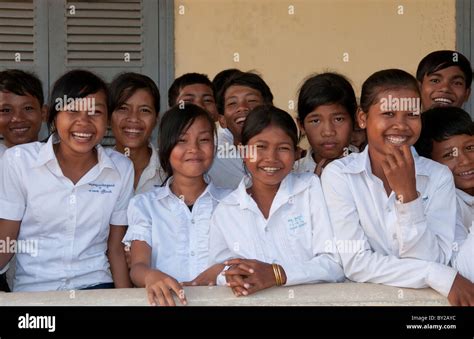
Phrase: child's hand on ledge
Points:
(235, 276)
(252, 275)
(159, 287)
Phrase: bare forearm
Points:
(119, 269)
(138, 273)
(8, 232)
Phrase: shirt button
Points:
(291, 200)
(192, 253)
(266, 229)
(72, 199)
(192, 221)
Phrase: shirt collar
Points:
(289, 187)
(3, 148)
(153, 166)
(360, 162)
(309, 157)
(216, 193)
(467, 198)
(46, 154)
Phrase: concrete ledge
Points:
(344, 294)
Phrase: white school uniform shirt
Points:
(227, 172)
(224, 135)
(405, 245)
(296, 235)
(68, 222)
(307, 163)
(178, 237)
(153, 175)
(463, 253)
(3, 148)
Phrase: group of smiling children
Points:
(361, 204)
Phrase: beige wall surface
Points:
(285, 41)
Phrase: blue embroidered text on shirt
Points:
(296, 222)
(101, 188)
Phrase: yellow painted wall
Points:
(285, 48)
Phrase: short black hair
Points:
(76, 83)
(174, 123)
(126, 84)
(186, 80)
(21, 83)
(268, 115)
(247, 79)
(326, 89)
(221, 77)
(381, 81)
(441, 123)
(439, 60)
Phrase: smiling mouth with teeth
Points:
(240, 120)
(82, 136)
(466, 173)
(443, 101)
(132, 130)
(19, 130)
(271, 169)
(396, 140)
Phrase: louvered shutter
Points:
(104, 34)
(16, 33)
(23, 33)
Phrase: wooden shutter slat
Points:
(105, 6)
(88, 22)
(104, 47)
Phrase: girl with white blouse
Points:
(169, 226)
(399, 206)
(274, 228)
(65, 201)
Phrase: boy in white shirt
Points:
(448, 138)
(22, 112)
(242, 92)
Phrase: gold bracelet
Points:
(275, 272)
(280, 275)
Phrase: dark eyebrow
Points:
(458, 76)
(448, 148)
(436, 74)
